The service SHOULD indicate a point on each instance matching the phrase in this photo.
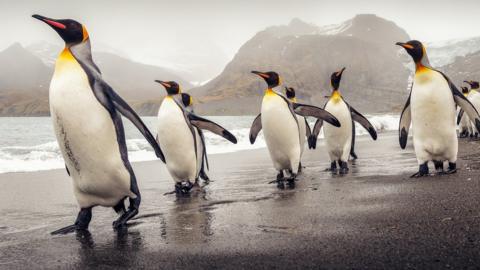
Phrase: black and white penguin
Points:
(339, 141)
(178, 138)
(474, 97)
(202, 160)
(430, 109)
(278, 119)
(86, 114)
(303, 126)
(464, 125)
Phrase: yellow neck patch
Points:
(336, 96)
(65, 60)
(269, 92)
(422, 74)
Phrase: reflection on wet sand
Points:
(187, 221)
(117, 251)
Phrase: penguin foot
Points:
(291, 182)
(343, 167)
(419, 174)
(122, 220)
(280, 184)
(452, 168)
(183, 188)
(422, 171)
(354, 156)
(66, 230)
(280, 178)
(82, 222)
(333, 167)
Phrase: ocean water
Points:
(29, 144)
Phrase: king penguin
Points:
(303, 126)
(178, 139)
(430, 109)
(339, 141)
(278, 119)
(474, 97)
(202, 159)
(86, 114)
(464, 126)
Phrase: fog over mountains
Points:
(376, 78)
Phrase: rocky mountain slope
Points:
(25, 76)
(305, 56)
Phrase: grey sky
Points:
(161, 32)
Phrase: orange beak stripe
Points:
(166, 84)
(55, 24)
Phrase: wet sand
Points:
(375, 217)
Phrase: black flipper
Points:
(204, 154)
(129, 113)
(203, 123)
(313, 111)
(352, 147)
(463, 102)
(107, 96)
(308, 131)
(312, 140)
(255, 128)
(404, 125)
(66, 168)
(459, 116)
(362, 120)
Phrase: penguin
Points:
(177, 137)
(430, 109)
(202, 159)
(464, 126)
(339, 141)
(278, 119)
(304, 127)
(474, 98)
(86, 114)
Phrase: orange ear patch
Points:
(85, 33)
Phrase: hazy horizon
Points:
(194, 36)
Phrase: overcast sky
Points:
(159, 32)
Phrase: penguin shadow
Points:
(113, 252)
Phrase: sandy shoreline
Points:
(376, 217)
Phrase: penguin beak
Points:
(404, 45)
(166, 85)
(339, 73)
(53, 23)
(261, 74)
(469, 82)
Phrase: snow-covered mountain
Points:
(444, 52)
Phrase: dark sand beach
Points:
(376, 217)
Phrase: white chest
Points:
(432, 103)
(177, 141)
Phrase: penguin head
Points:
(186, 100)
(464, 90)
(473, 84)
(290, 92)
(415, 49)
(72, 32)
(335, 79)
(271, 78)
(172, 87)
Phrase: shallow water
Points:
(28, 143)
